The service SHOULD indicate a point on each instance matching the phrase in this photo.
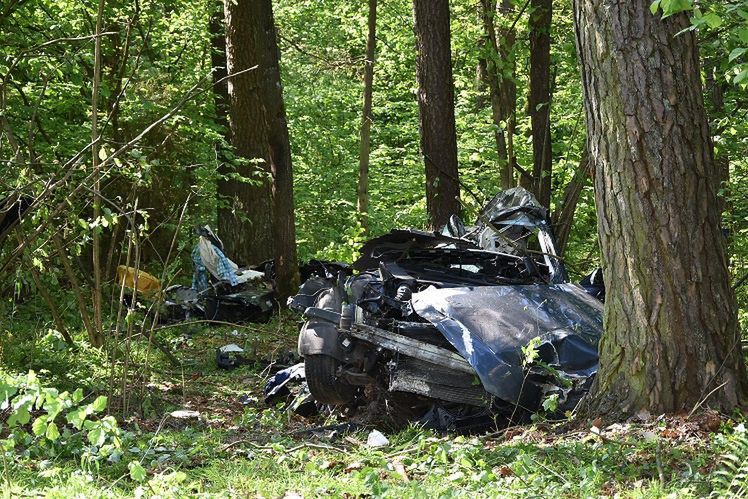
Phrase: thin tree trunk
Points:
(563, 217)
(284, 226)
(59, 323)
(539, 100)
(671, 339)
(53, 310)
(502, 89)
(363, 156)
(98, 339)
(76, 287)
(217, 28)
(436, 106)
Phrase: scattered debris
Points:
(277, 386)
(147, 284)
(183, 418)
(229, 356)
(185, 414)
(376, 439)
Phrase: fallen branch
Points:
(285, 451)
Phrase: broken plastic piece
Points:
(376, 439)
(147, 284)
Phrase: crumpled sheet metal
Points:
(276, 388)
(489, 325)
(515, 206)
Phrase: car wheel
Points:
(321, 377)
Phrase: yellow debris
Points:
(147, 284)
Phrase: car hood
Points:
(490, 325)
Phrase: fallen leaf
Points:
(668, 433)
(505, 471)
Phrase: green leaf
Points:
(21, 408)
(654, 7)
(743, 35)
(550, 404)
(740, 78)
(137, 472)
(76, 418)
(97, 436)
(712, 20)
(77, 396)
(6, 393)
(99, 404)
(737, 53)
(39, 427)
(52, 432)
(671, 7)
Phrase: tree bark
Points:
(539, 99)
(245, 218)
(671, 337)
(284, 220)
(715, 89)
(502, 88)
(365, 146)
(259, 131)
(436, 106)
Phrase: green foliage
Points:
(731, 476)
(43, 422)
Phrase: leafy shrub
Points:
(41, 422)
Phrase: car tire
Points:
(321, 377)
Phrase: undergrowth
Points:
(57, 440)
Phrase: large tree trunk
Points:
(259, 131)
(502, 88)
(365, 146)
(671, 337)
(539, 100)
(245, 221)
(436, 106)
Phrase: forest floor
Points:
(252, 450)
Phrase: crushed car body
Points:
(468, 321)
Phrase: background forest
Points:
(164, 150)
(155, 53)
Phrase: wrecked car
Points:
(455, 326)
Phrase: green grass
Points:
(237, 451)
(416, 464)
